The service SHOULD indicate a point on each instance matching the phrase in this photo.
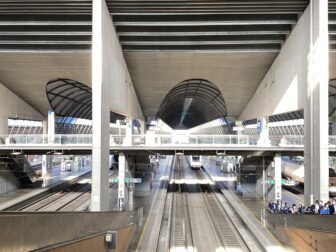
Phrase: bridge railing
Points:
(136, 140)
(150, 140)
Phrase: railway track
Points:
(175, 233)
(294, 189)
(74, 196)
(228, 236)
(183, 200)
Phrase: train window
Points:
(332, 173)
(195, 158)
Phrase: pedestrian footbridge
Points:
(169, 144)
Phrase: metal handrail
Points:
(153, 140)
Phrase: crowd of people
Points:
(318, 208)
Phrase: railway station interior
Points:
(168, 125)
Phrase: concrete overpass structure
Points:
(265, 57)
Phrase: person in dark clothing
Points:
(332, 207)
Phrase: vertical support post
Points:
(277, 178)
(129, 131)
(264, 139)
(130, 196)
(264, 179)
(316, 106)
(121, 183)
(51, 126)
(142, 128)
(44, 166)
(45, 127)
(3, 126)
(100, 105)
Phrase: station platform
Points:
(57, 177)
(251, 200)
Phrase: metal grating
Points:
(191, 103)
(72, 99)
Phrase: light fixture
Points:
(15, 153)
(58, 152)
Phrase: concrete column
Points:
(264, 139)
(45, 127)
(129, 131)
(150, 137)
(316, 106)
(3, 126)
(76, 163)
(121, 183)
(51, 126)
(143, 127)
(101, 62)
(264, 179)
(131, 188)
(277, 178)
(46, 166)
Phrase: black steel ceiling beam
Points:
(223, 47)
(192, 19)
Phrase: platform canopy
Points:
(230, 42)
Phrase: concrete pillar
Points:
(100, 105)
(45, 127)
(46, 166)
(76, 163)
(143, 127)
(264, 139)
(3, 126)
(150, 137)
(316, 106)
(131, 188)
(277, 178)
(51, 126)
(121, 183)
(129, 131)
(264, 179)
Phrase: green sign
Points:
(283, 182)
(128, 180)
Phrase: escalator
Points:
(21, 168)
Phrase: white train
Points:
(195, 162)
(294, 169)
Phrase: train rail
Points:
(186, 197)
(72, 196)
(228, 236)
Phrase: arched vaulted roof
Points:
(192, 103)
(70, 98)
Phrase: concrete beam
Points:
(13, 106)
(283, 86)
